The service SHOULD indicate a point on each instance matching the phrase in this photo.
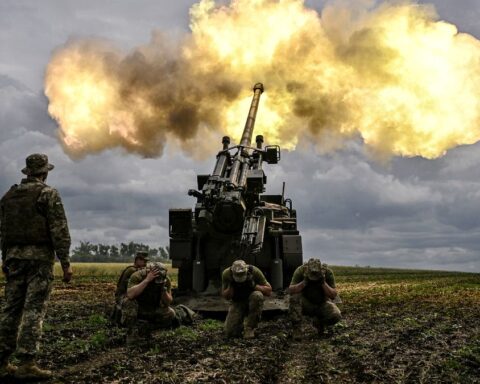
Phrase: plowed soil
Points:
(398, 327)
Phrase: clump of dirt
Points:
(404, 333)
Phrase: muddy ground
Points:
(398, 327)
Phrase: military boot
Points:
(30, 371)
(319, 327)
(248, 333)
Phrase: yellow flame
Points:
(403, 81)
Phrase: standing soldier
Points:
(245, 285)
(33, 230)
(147, 304)
(140, 261)
(311, 290)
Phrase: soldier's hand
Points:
(305, 281)
(67, 274)
(153, 274)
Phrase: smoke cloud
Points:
(390, 73)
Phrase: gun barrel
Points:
(249, 125)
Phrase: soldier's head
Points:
(239, 271)
(141, 259)
(37, 165)
(313, 269)
(161, 268)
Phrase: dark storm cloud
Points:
(22, 110)
(355, 212)
(31, 29)
(411, 213)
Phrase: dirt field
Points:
(399, 327)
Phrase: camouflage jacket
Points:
(50, 205)
(313, 291)
(150, 298)
(122, 284)
(241, 291)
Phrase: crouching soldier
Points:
(147, 304)
(245, 285)
(140, 261)
(311, 290)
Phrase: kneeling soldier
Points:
(140, 261)
(245, 285)
(146, 305)
(311, 290)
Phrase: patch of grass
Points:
(96, 320)
(210, 325)
(99, 339)
(183, 333)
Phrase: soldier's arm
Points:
(228, 293)
(58, 226)
(298, 282)
(329, 285)
(136, 290)
(167, 297)
(227, 289)
(265, 289)
(296, 288)
(262, 285)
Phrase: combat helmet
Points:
(239, 271)
(313, 269)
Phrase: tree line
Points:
(125, 252)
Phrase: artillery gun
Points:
(232, 220)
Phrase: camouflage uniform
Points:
(246, 304)
(122, 283)
(147, 311)
(312, 300)
(33, 230)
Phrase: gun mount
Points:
(232, 220)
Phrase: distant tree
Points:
(114, 252)
(123, 250)
(102, 253)
(164, 253)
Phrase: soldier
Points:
(311, 290)
(245, 285)
(147, 303)
(140, 261)
(33, 230)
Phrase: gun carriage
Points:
(234, 219)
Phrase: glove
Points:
(5, 269)
(305, 281)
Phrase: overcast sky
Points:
(411, 213)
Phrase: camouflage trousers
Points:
(134, 316)
(28, 287)
(326, 313)
(249, 310)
